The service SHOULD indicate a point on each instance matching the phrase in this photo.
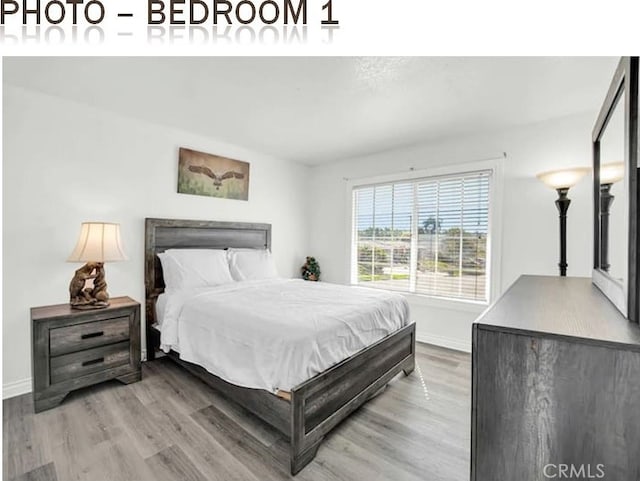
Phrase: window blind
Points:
(426, 236)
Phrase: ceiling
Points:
(324, 109)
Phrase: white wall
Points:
(530, 219)
(65, 163)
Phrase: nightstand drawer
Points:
(71, 366)
(63, 340)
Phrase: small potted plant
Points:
(311, 270)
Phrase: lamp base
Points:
(88, 307)
(562, 203)
(88, 298)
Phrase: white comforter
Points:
(274, 334)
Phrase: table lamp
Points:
(99, 242)
(562, 181)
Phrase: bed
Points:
(308, 408)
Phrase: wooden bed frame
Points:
(316, 406)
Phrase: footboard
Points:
(322, 402)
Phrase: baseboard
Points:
(16, 388)
(449, 343)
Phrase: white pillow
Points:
(194, 268)
(251, 264)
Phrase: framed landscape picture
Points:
(212, 175)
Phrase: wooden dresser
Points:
(556, 386)
(73, 348)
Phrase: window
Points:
(426, 236)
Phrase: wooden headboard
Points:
(163, 234)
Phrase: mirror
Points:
(615, 161)
(614, 199)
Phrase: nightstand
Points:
(72, 348)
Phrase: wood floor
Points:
(170, 426)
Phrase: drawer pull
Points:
(93, 361)
(93, 334)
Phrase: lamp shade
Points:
(98, 242)
(611, 173)
(563, 179)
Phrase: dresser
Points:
(73, 348)
(555, 386)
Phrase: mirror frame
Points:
(625, 80)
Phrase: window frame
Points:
(494, 233)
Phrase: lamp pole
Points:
(562, 203)
(606, 198)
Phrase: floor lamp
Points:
(562, 181)
(609, 175)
